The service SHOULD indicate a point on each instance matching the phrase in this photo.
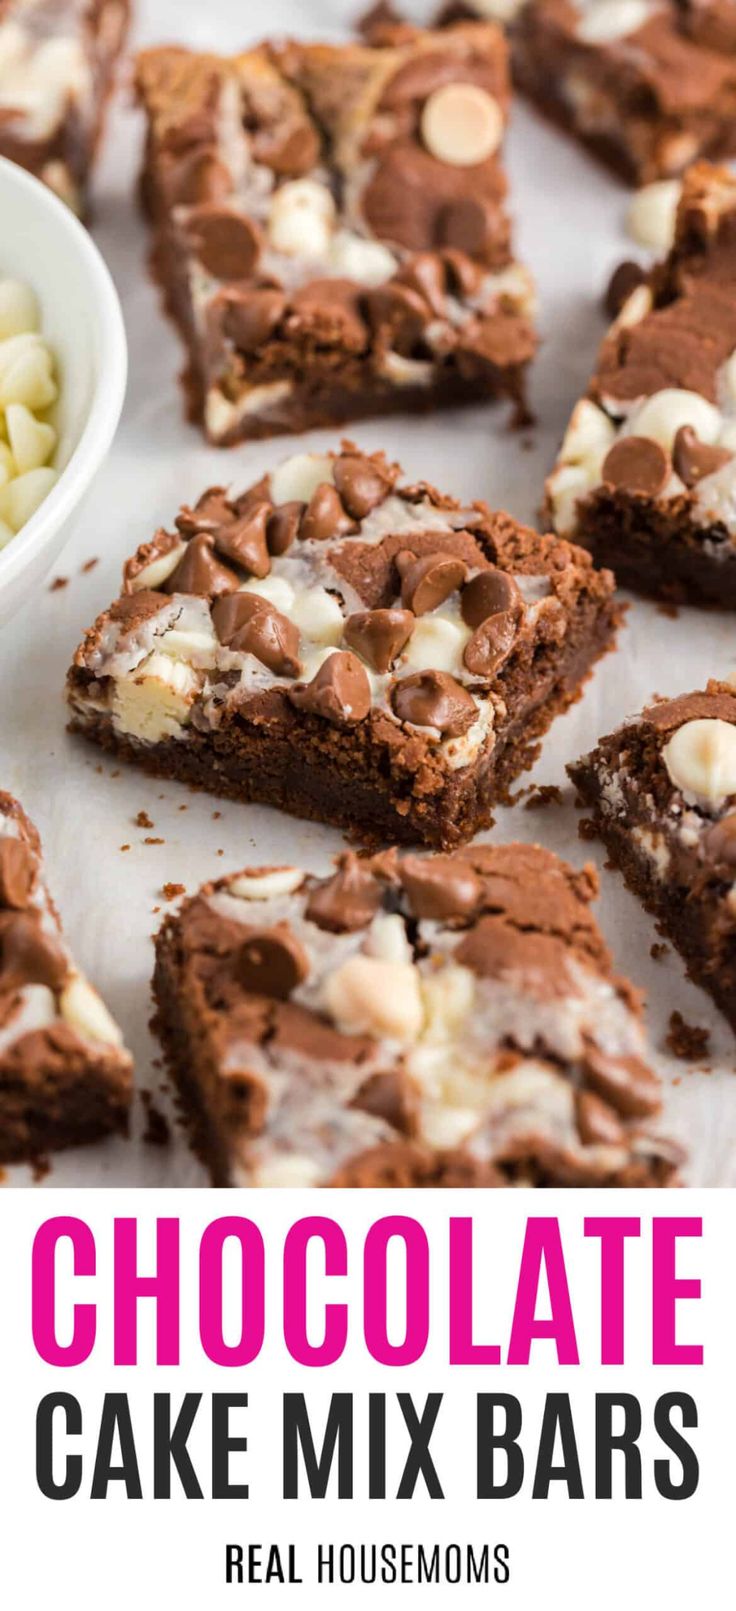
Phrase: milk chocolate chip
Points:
(252, 316)
(379, 635)
(290, 151)
(283, 525)
(347, 901)
(440, 887)
(470, 224)
(393, 1097)
(340, 691)
(212, 511)
(28, 955)
(251, 625)
(491, 644)
(434, 699)
(637, 464)
(427, 582)
(244, 540)
(399, 313)
(226, 242)
(361, 483)
(425, 273)
(17, 873)
(693, 459)
(197, 177)
(324, 516)
(491, 592)
(272, 962)
(199, 571)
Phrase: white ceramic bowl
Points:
(43, 243)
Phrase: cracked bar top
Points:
(56, 57)
(658, 426)
(410, 1021)
(335, 212)
(333, 590)
(55, 1031)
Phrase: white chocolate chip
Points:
(589, 435)
(276, 589)
(462, 124)
(387, 938)
(368, 262)
(298, 477)
(609, 20)
(436, 644)
(20, 498)
(19, 311)
(301, 219)
(651, 217)
(266, 885)
(701, 759)
(318, 616)
(661, 416)
(26, 376)
(291, 1169)
(565, 486)
(31, 440)
(189, 644)
(85, 1011)
(154, 701)
(154, 575)
(368, 996)
(448, 999)
(638, 304)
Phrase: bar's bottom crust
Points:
(683, 918)
(65, 1102)
(337, 777)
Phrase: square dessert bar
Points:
(57, 59)
(65, 1077)
(663, 793)
(638, 81)
(344, 646)
(647, 472)
(442, 1020)
(330, 228)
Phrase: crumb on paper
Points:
(125, 847)
(219, 852)
(171, 892)
(183, 807)
(587, 829)
(157, 1132)
(116, 773)
(659, 950)
(216, 816)
(89, 565)
(687, 1041)
(154, 910)
(542, 795)
(670, 611)
(143, 820)
(151, 839)
(41, 1167)
(58, 583)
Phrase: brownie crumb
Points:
(125, 847)
(171, 892)
(157, 1132)
(183, 807)
(658, 950)
(587, 829)
(542, 795)
(143, 820)
(216, 816)
(666, 608)
(150, 839)
(686, 1041)
(41, 1167)
(89, 565)
(58, 583)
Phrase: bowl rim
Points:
(109, 383)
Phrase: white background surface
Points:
(569, 218)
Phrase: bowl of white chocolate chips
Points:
(63, 366)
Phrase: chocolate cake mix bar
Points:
(663, 793)
(65, 1076)
(345, 646)
(646, 477)
(640, 82)
(449, 1020)
(57, 59)
(331, 230)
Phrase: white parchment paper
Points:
(569, 218)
